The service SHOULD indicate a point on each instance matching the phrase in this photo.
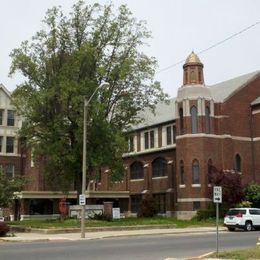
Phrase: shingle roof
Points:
(256, 102)
(165, 112)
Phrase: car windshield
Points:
(234, 212)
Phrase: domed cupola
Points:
(193, 70)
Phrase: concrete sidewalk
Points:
(76, 236)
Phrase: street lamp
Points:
(84, 157)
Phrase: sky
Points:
(178, 27)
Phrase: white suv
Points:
(246, 218)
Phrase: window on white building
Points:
(10, 117)
(149, 139)
(1, 116)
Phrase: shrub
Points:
(100, 216)
(147, 207)
(203, 214)
(4, 228)
(244, 204)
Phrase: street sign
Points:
(217, 194)
(82, 199)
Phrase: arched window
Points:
(195, 172)
(136, 170)
(159, 167)
(182, 181)
(181, 121)
(238, 163)
(194, 120)
(207, 120)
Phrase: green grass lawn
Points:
(72, 223)
(252, 253)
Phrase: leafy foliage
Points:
(4, 229)
(66, 62)
(232, 190)
(252, 194)
(7, 188)
(147, 207)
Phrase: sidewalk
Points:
(37, 236)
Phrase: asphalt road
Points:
(137, 247)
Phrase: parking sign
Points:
(217, 194)
(82, 199)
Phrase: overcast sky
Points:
(177, 26)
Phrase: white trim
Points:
(182, 186)
(255, 111)
(149, 151)
(239, 138)
(136, 180)
(221, 116)
(256, 139)
(193, 199)
(195, 185)
(160, 177)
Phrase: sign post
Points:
(217, 198)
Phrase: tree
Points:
(66, 62)
(232, 190)
(252, 194)
(7, 188)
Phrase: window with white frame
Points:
(170, 135)
(159, 167)
(10, 117)
(131, 144)
(195, 172)
(149, 139)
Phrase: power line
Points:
(210, 47)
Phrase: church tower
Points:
(194, 109)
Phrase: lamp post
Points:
(84, 156)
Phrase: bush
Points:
(147, 207)
(4, 229)
(100, 216)
(203, 214)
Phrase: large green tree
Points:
(65, 62)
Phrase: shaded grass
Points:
(74, 223)
(252, 253)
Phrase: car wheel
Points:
(248, 226)
(231, 229)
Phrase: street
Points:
(135, 247)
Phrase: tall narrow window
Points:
(10, 118)
(131, 144)
(207, 120)
(151, 139)
(200, 77)
(146, 140)
(195, 172)
(194, 120)
(238, 163)
(159, 167)
(182, 181)
(181, 121)
(169, 135)
(1, 144)
(9, 144)
(1, 116)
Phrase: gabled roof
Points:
(5, 90)
(220, 92)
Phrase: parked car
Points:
(245, 218)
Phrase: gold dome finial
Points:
(193, 58)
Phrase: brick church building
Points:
(170, 151)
